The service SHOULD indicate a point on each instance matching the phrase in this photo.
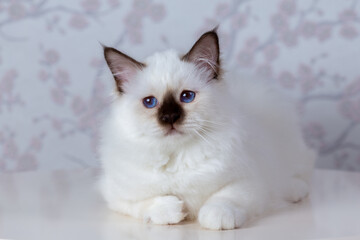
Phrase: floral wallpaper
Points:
(54, 84)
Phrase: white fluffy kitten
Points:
(179, 142)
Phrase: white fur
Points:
(241, 152)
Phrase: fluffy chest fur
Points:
(192, 171)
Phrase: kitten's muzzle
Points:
(170, 112)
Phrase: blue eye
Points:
(150, 102)
(187, 96)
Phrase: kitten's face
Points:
(169, 97)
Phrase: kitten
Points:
(183, 140)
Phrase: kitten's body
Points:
(237, 153)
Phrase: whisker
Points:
(207, 122)
(206, 134)
(212, 122)
(199, 134)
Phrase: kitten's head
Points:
(169, 96)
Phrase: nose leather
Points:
(170, 118)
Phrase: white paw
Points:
(165, 210)
(299, 190)
(219, 216)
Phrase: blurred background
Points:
(54, 84)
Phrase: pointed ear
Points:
(122, 66)
(205, 54)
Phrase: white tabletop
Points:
(65, 205)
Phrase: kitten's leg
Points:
(230, 207)
(158, 210)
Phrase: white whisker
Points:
(199, 134)
(205, 133)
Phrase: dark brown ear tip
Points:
(110, 50)
(213, 33)
(107, 49)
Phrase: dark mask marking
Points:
(170, 111)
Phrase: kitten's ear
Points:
(122, 66)
(205, 54)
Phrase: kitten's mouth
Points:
(172, 131)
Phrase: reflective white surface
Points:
(65, 205)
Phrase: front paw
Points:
(165, 210)
(298, 190)
(218, 216)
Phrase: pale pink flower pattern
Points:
(141, 6)
(157, 12)
(353, 88)
(348, 15)
(96, 62)
(264, 70)
(135, 36)
(222, 9)
(36, 143)
(308, 29)
(314, 134)
(271, 52)
(133, 20)
(58, 96)
(287, 80)
(51, 56)
(113, 3)
(78, 105)
(90, 5)
(8, 97)
(20, 159)
(307, 79)
(10, 149)
(289, 38)
(279, 22)
(350, 109)
(239, 21)
(16, 10)
(78, 22)
(225, 39)
(349, 31)
(57, 124)
(62, 77)
(315, 130)
(26, 162)
(245, 58)
(43, 75)
(252, 43)
(7, 81)
(287, 7)
(323, 32)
